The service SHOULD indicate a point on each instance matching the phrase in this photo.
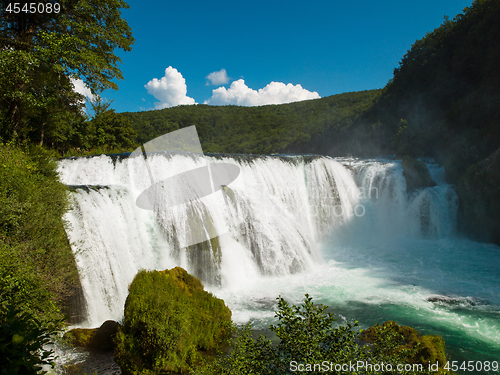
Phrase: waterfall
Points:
(393, 213)
(269, 222)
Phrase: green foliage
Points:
(39, 55)
(37, 270)
(22, 341)
(169, 324)
(294, 127)
(307, 335)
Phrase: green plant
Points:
(310, 341)
(403, 344)
(40, 56)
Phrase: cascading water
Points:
(392, 213)
(345, 231)
(269, 222)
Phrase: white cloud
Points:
(170, 90)
(81, 88)
(274, 93)
(218, 78)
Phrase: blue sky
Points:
(326, 47)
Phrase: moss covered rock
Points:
(416, 174)
(431, 348)
(79, 337)
(100, 339)
(170, 323)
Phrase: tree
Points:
(40, 53)
(110, 130)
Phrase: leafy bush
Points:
(307, 335)
(170, 323)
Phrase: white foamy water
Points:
(270, 223)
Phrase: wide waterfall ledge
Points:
(270, 222)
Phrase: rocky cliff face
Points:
(479, 193)
(416, 174)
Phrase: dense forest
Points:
(444, 97)
(41, 58)
(258, 130)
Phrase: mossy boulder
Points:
(431, 348)
(479, 193)
(79, 337)
(99, 339)
(416, 174)
(170, 324)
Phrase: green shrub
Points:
(170, 323)
(426, 350)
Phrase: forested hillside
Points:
(444, 101)
(293, 127)
(444, 97)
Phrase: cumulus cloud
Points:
(81, 88)
(274, 93)
(170, 90)
(218, 78)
